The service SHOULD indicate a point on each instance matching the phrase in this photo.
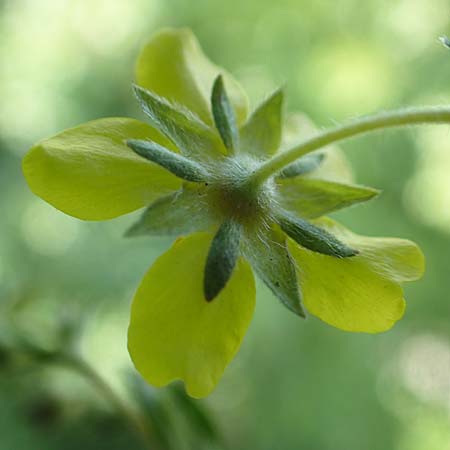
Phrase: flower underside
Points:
(195, 168)
(223, 181)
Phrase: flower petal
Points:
(89, 172)
(311, 198)
(398, 259)
(174, 332)
(173, 65)
(334, 167)
(362, 293)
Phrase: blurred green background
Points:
(294, 385)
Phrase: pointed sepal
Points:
(179, 165)
(267, 252)
(181, 212)
(304, 165)
(311, 198)
(222, 257)
(224, 116)
(181, 126)
(261, 134)
(314, 238)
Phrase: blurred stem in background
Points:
(85, 370)
(67, 356)
(159, 419)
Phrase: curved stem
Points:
(403, 117)
(85, 370)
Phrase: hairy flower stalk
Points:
(244, 194)
(363, 125)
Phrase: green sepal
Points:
(311, 198)
(179, 165)
(267, 252)
(304, 165)
(222, 257)
(224, 116)
(181, 212)
(181, 126)
(314, 238)
(261, 134)
(445, 41)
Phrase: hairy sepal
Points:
(179, 165)
(222, 257)
(314, 238)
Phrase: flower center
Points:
(231, 194)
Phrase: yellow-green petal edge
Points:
(361, 293)
(173, 65)
(397, 259)
(174, 332)
(89, 172)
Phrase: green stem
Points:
(86, 371)
(404, 117)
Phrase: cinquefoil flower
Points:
(192, 168)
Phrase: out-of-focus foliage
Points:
(294, 384)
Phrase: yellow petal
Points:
(173, 65)
(360, 293)
(90, 173)
(174, 332)
(397, 259)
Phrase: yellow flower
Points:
(191, 167)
